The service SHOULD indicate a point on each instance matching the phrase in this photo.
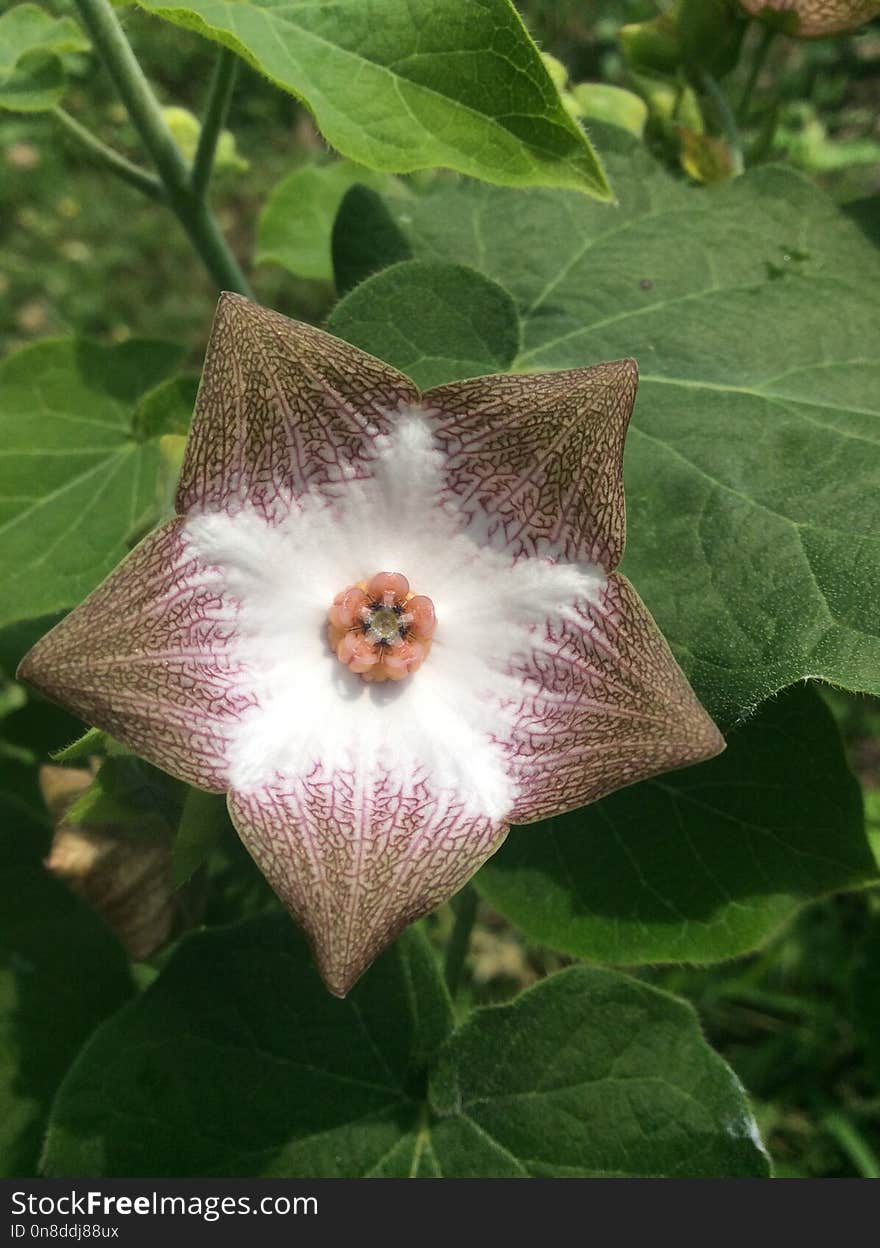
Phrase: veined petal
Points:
(813, 19)
(282, 409)
(541, 456)
(604, 704)
(311, 467)
(356, 855)
(147, 658)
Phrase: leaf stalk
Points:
(190, 208)
(139, 178)
(216, 109)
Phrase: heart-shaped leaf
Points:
(31, 42)
(591, 1074)
(402, 85)
(236, 1061)
(438, 321)
(753, 468)
(78, 480)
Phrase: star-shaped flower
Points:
(387, 623)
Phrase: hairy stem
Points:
(219, 95)
(107, 35)
(465, 907)
(110, 159)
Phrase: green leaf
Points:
(653, 46)
(753, 468)
(75, 481)
(236, 1061)
(28, 28)
(92, 742)
(375, 243)
(204, 822)
(591, 1073)
(402, 85)
(295, 225)
(167, 408)
(61, 972)
(36, 84)
(599, 101)
(872, 820)
(433, 321)
(31, 74)
(711, 34)
(866, 994)
(700, 864)
(186, 128)
(129, 791)
(37, 727)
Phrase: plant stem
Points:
(768, 34)
(853, 1143)
(107, 35)
(109, 38)
(465, 907)
(727, 120)
(110, 159)
(219, 95)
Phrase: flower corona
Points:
(380, 629)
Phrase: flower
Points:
(813, 19)
(332, 519)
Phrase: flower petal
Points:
(542, 455)
(813, 19)
(604, 705)
(282, 408)
(146, 658)
(356, 857)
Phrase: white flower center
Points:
(452, 722)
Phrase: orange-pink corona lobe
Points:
(380, 629)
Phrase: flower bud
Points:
(813, 19)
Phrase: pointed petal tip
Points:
(32, 668)
(703, 739)
(715, 742)
(232, 296)
(25, 668)
(342, 966)
(353, 878)
(231, 305)
(339, 991)
(338, 988)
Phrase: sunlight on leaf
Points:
(400, 87)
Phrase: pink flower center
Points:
(380, 629)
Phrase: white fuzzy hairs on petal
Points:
(448, 719)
